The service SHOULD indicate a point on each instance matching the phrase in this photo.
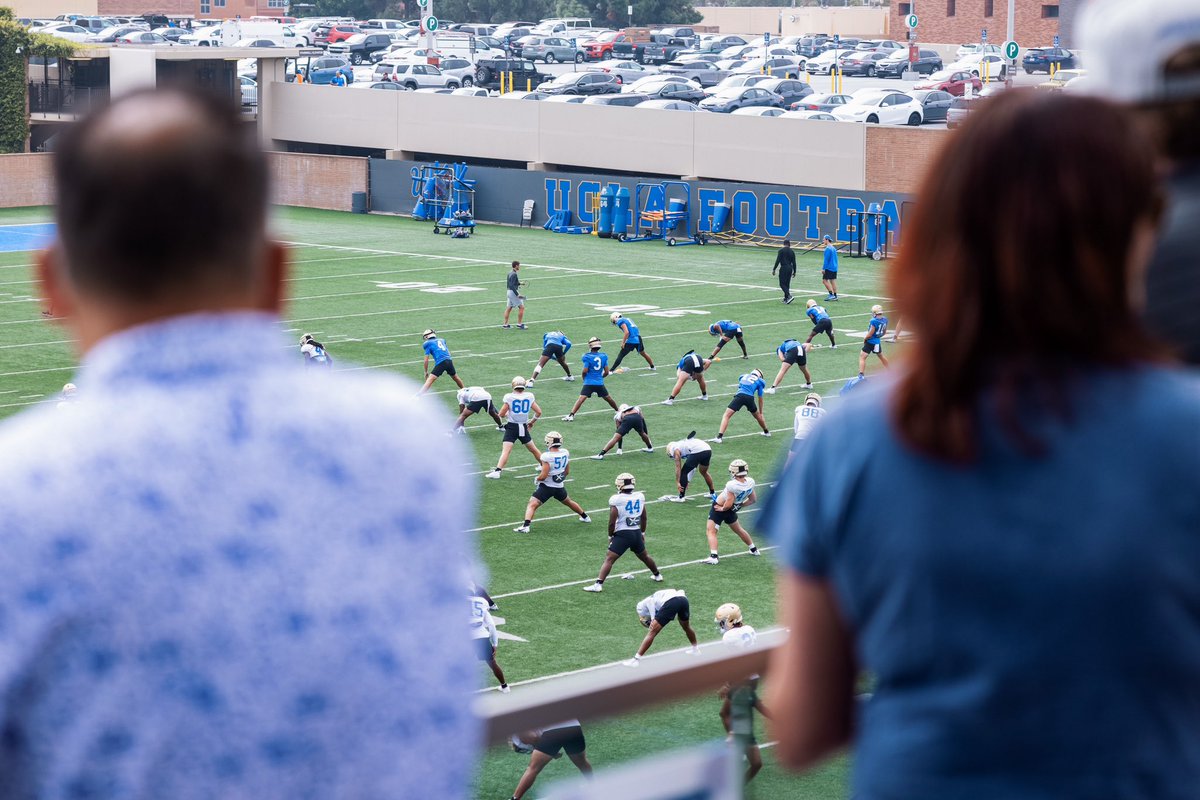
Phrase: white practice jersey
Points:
(649, 606)
(519, 404)
(739, 637)
(630, 506)
(688, 447)
(806, 417)
(631, 410)
(482, 624)
(739, 491)
(558, 460)
(473, 394)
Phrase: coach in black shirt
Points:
(785, 263)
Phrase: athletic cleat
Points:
(711, 560)
(460, 430)
(595, 587)
(633, 662)
(568, 377)
(694, 650)
(769, 390)
(598, 457)
(703, 397)
(569, 418)
(500, 427)
(494, 474)
(807, 386)
(521, 529)
(833, 347)
(789, 301)
(506, 327)
(766, 433)
(829, 296)
(835, 297)
(585, 518)
(521, 327)
(716, 439)
(675, 499)
(493, 607)
(745, 358)
(668, 402)
(620, 451)
(754, 551)
(657, 578)
(504, 688)
(629, 576)
(530, 382)
(647, 449)
(653, 368)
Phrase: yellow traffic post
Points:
(529, 84)
(987, 71)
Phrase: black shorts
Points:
(632, 422)
(483, 649)
(824, 326)
(872, 348)
(481, 405)
(722, 517)
(554, 351)
(796, 356)
(621, 541)
(446, 367)
(516, 432)
(569, 739)
(725, 337)
(588, 390)
(675, 607)
(692, 462)
(630, 347)
(741, 401)
(691, 368)
(828, 275)
(543, 493)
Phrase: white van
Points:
(387, 25)
(563, 26)
(232, 31)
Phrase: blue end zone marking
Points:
(17, 238)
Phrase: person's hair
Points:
(516, 264)
(1016, 267)
(1174, 125)
(787, 242)
(160, 193)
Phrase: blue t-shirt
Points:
(817, 313)
(751, 384)
(1033, 624)
(436, 348)
(875, 328)
(627, 324)
(725, 327)
(556, 337)
(690, 360)
(830, 262)
(788, 344)
(594, 365)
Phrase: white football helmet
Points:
(728, 615)
(812, 399)
(594, 343)
(625, 481)
(876, 310)
(738, 467)
(757, 372)
(306, 338)
(518, 382)
(69, 389)
(553, 439)
(614, 316)
(429, 334)
(810, 303)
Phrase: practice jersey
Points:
(725, 327)
(739, 491)
(788, 344)
(473, 394)
(691, 362)
(436, 348)
(556, 337)
(629, 506)
(594, 365)
(806, 417)
(482, 624)
(631, 410)
(558, 460)
(687, 447)
(635, 336)
(315, 354)
(876, 328)
(518, 404)
(829, 260)
(817, 313)
(649, 607)
(739, 637)
(751, 384)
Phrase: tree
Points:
(16, 45)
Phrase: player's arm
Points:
(625, 337)
(751, 500)
(724, 501)
(425, 365)
(726, 710)
(645, 518)
(762, 400)
(612, 520)
(536, 410)
(760, 708)
(544, 472)
(780, 354)
(678, 467)
(493, 636)
(504, 410)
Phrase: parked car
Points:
(897, 63)
(699, 72)
(322, 70)
(960, 108)
(775, 66)
(728, 100)
(757, 111)
(415, 76)
(1062, 78)
(790, 91)
(625, 71)
(739, 80)
(523, 72)
(1040, 59)
(822, 102)
(810, 46)
(470, 91)
(361, 46)
(458, 68)
(147, 38)
(715, 43)
(73, 33)
(845, 43)
(548, 49)
(826, 62)
(821, 115)
(884, 107)
(600, 48)
(862, 63)
(582, 83)
(953, 82)
(336, 33)
(387, 86)
(976, 49)
(111, 34)
(172, 34)
(530, 95)
(684, 91)
(669, 105)
(249, 89)
(654, 80)
(254, 43)
(621, 99)
(994, 66)
(934, 103)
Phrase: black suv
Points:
(489, 70)
(361, 47)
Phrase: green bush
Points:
(16, 45)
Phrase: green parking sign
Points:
(431, 23)
(1011, 50)
(911, 22)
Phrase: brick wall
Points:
(896, 158)
(25, 180)
(970, 17)
(317, 181)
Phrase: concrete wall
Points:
(25, 180)
(49, 9)
(795, 21)
(896, 158)
(316, 181)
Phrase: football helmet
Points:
(594, 342)
(757, 372)
(625, 481)
(621, 409)
(518, 382)
(69, 389)
(738, 467)
(810, 303)
(728, 615)
(812, 399)
(306, 338)
(876, 310)
(429, 334)
(553, 438)
(714, 329)
(614, 316)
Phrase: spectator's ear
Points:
(56, 297)
(274, 273)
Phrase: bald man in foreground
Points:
(208, 577)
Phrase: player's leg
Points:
(645, 558)
(495, 415)
(532, 448)
(610, 558)
(707, 478)
(829, 333)
(538, 369)
(429, 379)
(499, 673)
(562, 362)
(882, 359)
(833, 287)
(645, 434)
(783, 368)
(530, 510)
(744, 535)
(862, 363)
(613, 442)
(625, 350)
(762, 423)
(580, 760)
(462, 417)
(687, 630)
(578, 509)
(807, 375)
(505, 452)
(537, 762)
(703, 387)
(720, 343)
(578, 403)
(710, 532)
(642, 352)
(680, 379)
(742, 344)
(728, 415)
(458, 380)
(608, 399)
(753, 761)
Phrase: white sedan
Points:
(976, 49)
(758, 111)
(886, 108)
(625, 70)
(73, 33)
(993, 65)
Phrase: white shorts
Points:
(515, 300)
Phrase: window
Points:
(1050, 12)
(989, 8)
(950, 8)
(219, 3)
(905, 9)
(205, 7)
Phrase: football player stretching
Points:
(518, 405)
(626, 530)
(737, 494)
(556, 465)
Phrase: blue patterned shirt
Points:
(213, 589)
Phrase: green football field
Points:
(366, 286)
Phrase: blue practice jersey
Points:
(556, 337)
(690, 360)
(751, 384)
(436, 348)
(817, 313)
(626, 324)
(726, 327)
(594, 365)
(876, 328)
(788, 344)
(830, 262)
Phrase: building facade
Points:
(1036, 23)
(198, 9)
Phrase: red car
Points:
(340, 33)
(601, 47)
(953, 82)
